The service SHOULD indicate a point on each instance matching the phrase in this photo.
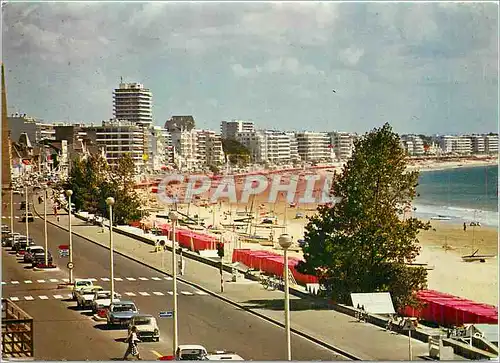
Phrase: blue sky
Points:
(423, 67)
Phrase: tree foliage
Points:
(92, 181)
(361, 243)
(236, 152)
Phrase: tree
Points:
(214, 169)
(236, 152)
(361, 243)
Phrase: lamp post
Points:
(285, 242)
(11, 208)
(45, 226)
(26, 210)
(69, 193)
(173, 218)
(110, 201)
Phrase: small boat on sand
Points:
(441, 218)
(475, 257)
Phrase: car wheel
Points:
(157, 339)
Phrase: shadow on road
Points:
(278, 304)
(105, 326)
(28, 267)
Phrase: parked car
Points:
(102, 300)
(191, 352)
(81, 284)
(21, 244)
(39, 259)
(85, 296)
(223, 355)
(29, 216)
(31, 251)
(120, 312)
(147, 327)
(23, 205)
(8, 239)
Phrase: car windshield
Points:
(192, 356)
(83, 283)
(124, 308)
(103, 295)
(142, 321)
(36, 250)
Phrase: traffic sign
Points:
(63, 253)
(166, 314)
(70, 265)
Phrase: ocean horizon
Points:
(463, 194)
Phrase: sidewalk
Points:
(366, 341)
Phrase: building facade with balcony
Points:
(133, 102)
(230, 129)
(314, 146)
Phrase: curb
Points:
(225, 299)
(46, 269)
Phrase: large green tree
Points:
(364, 243)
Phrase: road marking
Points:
(158, 293)
(14, 282)
(14, 298)
(118, 279)
(143, 278)
(143, 293)
(157, 354)
(58, 296)
(28, 281)
(168, 278)
(70, 296)
(4, 283)
(92, 279)
(28, 298)
(155, 278)
(129, 294)
(104, 279)
(65, 280)
(54, 280)
(186, 293)
(40, 281)
(43, 297)
(130, 278)
(170, 293)
(201, 293)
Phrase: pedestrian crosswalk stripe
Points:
(158, 293)
(92, 279)
(201, 293)
(70, 296)
(40, 280)
(167, 278)
(186, 293)
(118, 279)
(28, 298)
(28, 281)
(15, 282)
(58, 296)
(65, 280)
(130, 279)
(3, 283)
(104, 279)
(43, 297)
(130, 294)
(54, 280)
(170, 292)
(144, 293)
(143, 278)
(14, 298)
(155, 278)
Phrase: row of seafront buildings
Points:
(181, 144)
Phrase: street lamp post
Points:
(110, 201)
(285, 242)
(174, 217)
(26, 210)
(45, 226)
(69, 193)
(11, 208)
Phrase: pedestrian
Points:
(132, 341)
(465, 227)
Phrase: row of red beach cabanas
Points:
(271, 263)
(193, 241)
(450, 310)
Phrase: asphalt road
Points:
(63, 333)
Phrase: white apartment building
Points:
(229, 129)
(271, 146)
(209, 148)
(121, 137)
(342, 144)
(197, 148)
(132, 102)
(184, 143)
(314, 146)
(478, 142)
(491, 144)
(461, 145)
(413, 145)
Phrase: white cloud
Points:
(351, 56)
(282, 65)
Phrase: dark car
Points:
(20, 246)
(28, 215)
(39, 258)
(22, 206)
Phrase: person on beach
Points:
(132, 341)
(465, 227)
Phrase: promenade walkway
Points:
(366, 341)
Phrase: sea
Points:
(464, 194)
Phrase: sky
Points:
(428, 68)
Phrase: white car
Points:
(102, 300)
(146, 325)
(80, 284)
(223, 355)
(191, 352)
(85, 296)
(31, 251)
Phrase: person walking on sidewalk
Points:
(132, 341)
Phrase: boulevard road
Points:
(62, 332)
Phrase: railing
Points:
(17, 331)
